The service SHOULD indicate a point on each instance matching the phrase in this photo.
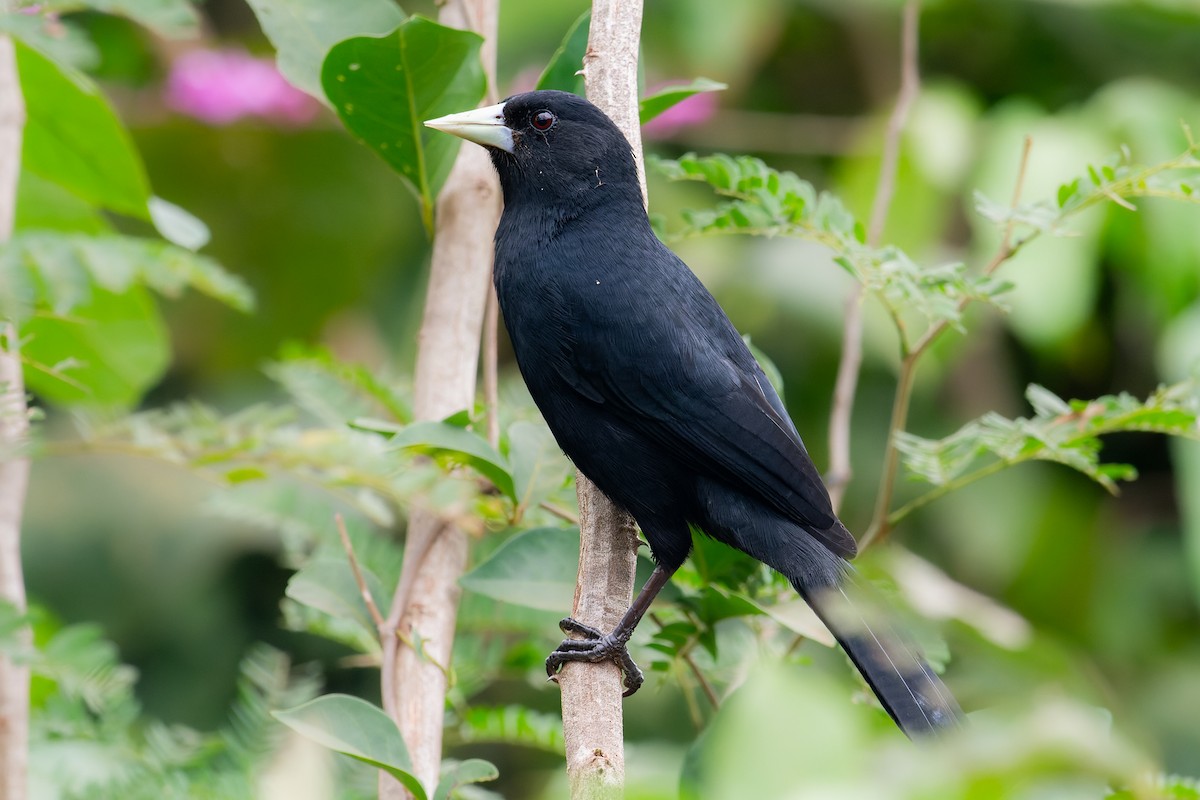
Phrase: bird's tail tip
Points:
(892, 665)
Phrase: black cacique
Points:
(651, 392)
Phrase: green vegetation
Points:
(193, 605)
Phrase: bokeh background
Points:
(332, 243)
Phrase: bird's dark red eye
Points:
(543, 120)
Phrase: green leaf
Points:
(58, 39)
(562, 71)
(1165, 787)
(13, 622)
(109, 351)
(177, 225)
(537, 464)
(457, 445)
(1179, 355)
(763, 201)
(1118, 180)
(535, 569)
(47, 206)
(173, 19)
(245, 475)
(768, 367)
(384, 89)
(457, 773)
(717, 563)
(357, 466)
(1066, 191)
(713, 604)
(460, 419)
(355, 728)
(335, 392)
(58, 272)
(265, 683)
(74, 138)
(655, 104)
(515, 725)
(85, 666)
(303, 31)
(1045, 402)
(1064, 432)
(798, 617)
(329, 585)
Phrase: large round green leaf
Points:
(73, 138)
(455, 444)
(535, 569)
(357, 729)
(384, 89)
(536, 463)
(303, 31)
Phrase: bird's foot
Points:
(589, 644)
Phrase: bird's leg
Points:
(591, 645)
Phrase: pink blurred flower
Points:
(695, 110)
(222, 86)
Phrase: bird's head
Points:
(549, 146)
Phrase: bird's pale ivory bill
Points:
(483, 126)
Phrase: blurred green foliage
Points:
(332, 244)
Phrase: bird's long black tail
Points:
(893, 667)
(903, 681)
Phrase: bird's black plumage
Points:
(649, 389)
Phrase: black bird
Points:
(649, 389)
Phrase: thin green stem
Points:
(881, 522)
(879, 527)
(894, 518)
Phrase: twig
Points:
(561, 513)
(910, 87)
(367, 597)
(844, 390)
(685, 654)
(795, 645)
(840, 471)
(881, 524)
(703, 681)
(689, 698)
(1006, 250)
(14, 461)
(947, 487)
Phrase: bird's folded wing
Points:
(720, 419)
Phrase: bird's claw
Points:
(591, 645)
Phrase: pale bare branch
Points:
(14, 463)
(425, 605)
(840, 471)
